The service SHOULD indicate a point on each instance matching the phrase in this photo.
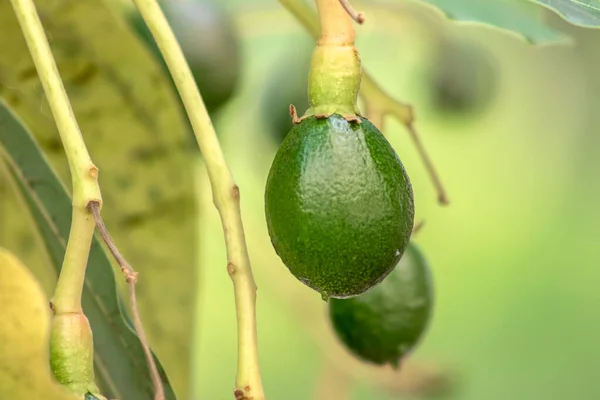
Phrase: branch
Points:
(84, 173)
(374, 96)
(72, 342)
(226, 197)
(131, 278)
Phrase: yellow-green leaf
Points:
(585, 13)
(119, 359)
(136, 133)
(516, 16)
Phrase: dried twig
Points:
(131, 277)
(357, 16)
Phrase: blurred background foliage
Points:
(512, 129)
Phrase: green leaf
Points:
(517, 16)
(137, 135)
(119, 358)
(584, 13)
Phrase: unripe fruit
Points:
(339, 205)
(382, 325)
(463, 78)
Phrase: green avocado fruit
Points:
(209, 43)
(383, 324)
(339, 205)
(463, 78)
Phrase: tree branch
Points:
(226, 197)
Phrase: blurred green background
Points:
(513, 132)
(514, 256)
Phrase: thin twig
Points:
(417, 227)
(435, 178)
(131, 277)
(126, 268)
(375, 97)
(357, 16)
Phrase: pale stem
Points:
(357, 16)
(225, 197)
(336, 24)
(131, 277)
(84, 173)
(374, 96)
(69, 288)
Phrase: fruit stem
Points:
(71, 346)
(69, 288)
(375, 97)
(336, 24)
(372, 94)
(72, 353)
(334, 78)
(84, 174)
(226, 197)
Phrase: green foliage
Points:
(137, 136)
(585, 13)
(119, 358)
(383, 324)
(466, 279)
(339, 205)
(515, 16)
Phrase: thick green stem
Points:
(334, 78)
(226, 197)
(72, 353)
(69, 288)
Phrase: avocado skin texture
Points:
(385, 323)
(339, 205)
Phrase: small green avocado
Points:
(385, 323)
(339, 205)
